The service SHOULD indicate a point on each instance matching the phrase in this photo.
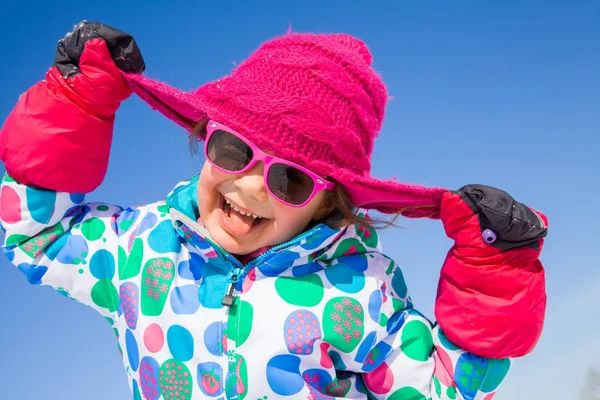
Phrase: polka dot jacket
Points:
(326, 315)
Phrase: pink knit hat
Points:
(312, 99)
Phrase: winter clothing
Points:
(52, 113)
(333, 309)
(325, 315)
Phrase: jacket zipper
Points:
(229, 297)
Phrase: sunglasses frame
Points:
(268, 160)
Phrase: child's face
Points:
(240, 234)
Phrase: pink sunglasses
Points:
(290, 183)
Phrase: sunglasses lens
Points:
(227, 151)
(290, 184)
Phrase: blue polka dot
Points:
(184, 300)
(375, 304)
(136, 390)
(318, 379)
(125, 220)
(133, 353)
(214, 336)
(345, 278)
(10, 254)
(316, 240)
(395, 322)
(378, 355)
(181, 343)
(357, 262)
(192, 268)
(74, 247)
(307, 269)
(365, 347)
(210, 372)
(102, 265)
(215, 279)
(398, 283)
(34, 273)
(40, 204)
(278, 263)
(148, 222)
(149, 369)
(469, 374)
(283, 375)
(77, 197)
(163, 238)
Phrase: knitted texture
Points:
(313, 99)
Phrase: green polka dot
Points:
(178, 369)
(76, 261)
(383, 320)
(16, 239)
(349, 247)
(417, 342)
(157, 277)
(92, 229)
(163, 208)
(368, 235)
(398, 304)
(84, 262)
(407, 393)
(438, 386)
(105, 295)
(239, 323)
(343, 323)
(80, 271)
(304, 291)
(451, 392)
(131, 266)
(102, 208)
(104, 240)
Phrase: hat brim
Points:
(386, 196)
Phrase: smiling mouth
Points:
(229, 208)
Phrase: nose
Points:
(252, 183)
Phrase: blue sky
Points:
(505, 93)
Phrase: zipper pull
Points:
(229, 298)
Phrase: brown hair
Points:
(343, 212)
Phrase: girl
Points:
(258, 279)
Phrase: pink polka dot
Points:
(380, 380)
(290, 331)
(154, 338)
(307, 341)
(443, 364)
(290, 338)
(10, 205)
(299, 315)
(299, 329)
(307, 326)
(291, 346)
(300, 336)
(298, 344)
(308, 315)
(302, 322)
(490, 396)
(292, 320)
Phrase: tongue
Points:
(240, 224)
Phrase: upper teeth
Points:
(236, 208)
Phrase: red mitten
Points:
(491, 297)
(59, 134)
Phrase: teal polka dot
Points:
(181, 343)
(102, 265)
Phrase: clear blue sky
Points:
(505, 93)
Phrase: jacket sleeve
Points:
(57, 240)
(419, 362)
